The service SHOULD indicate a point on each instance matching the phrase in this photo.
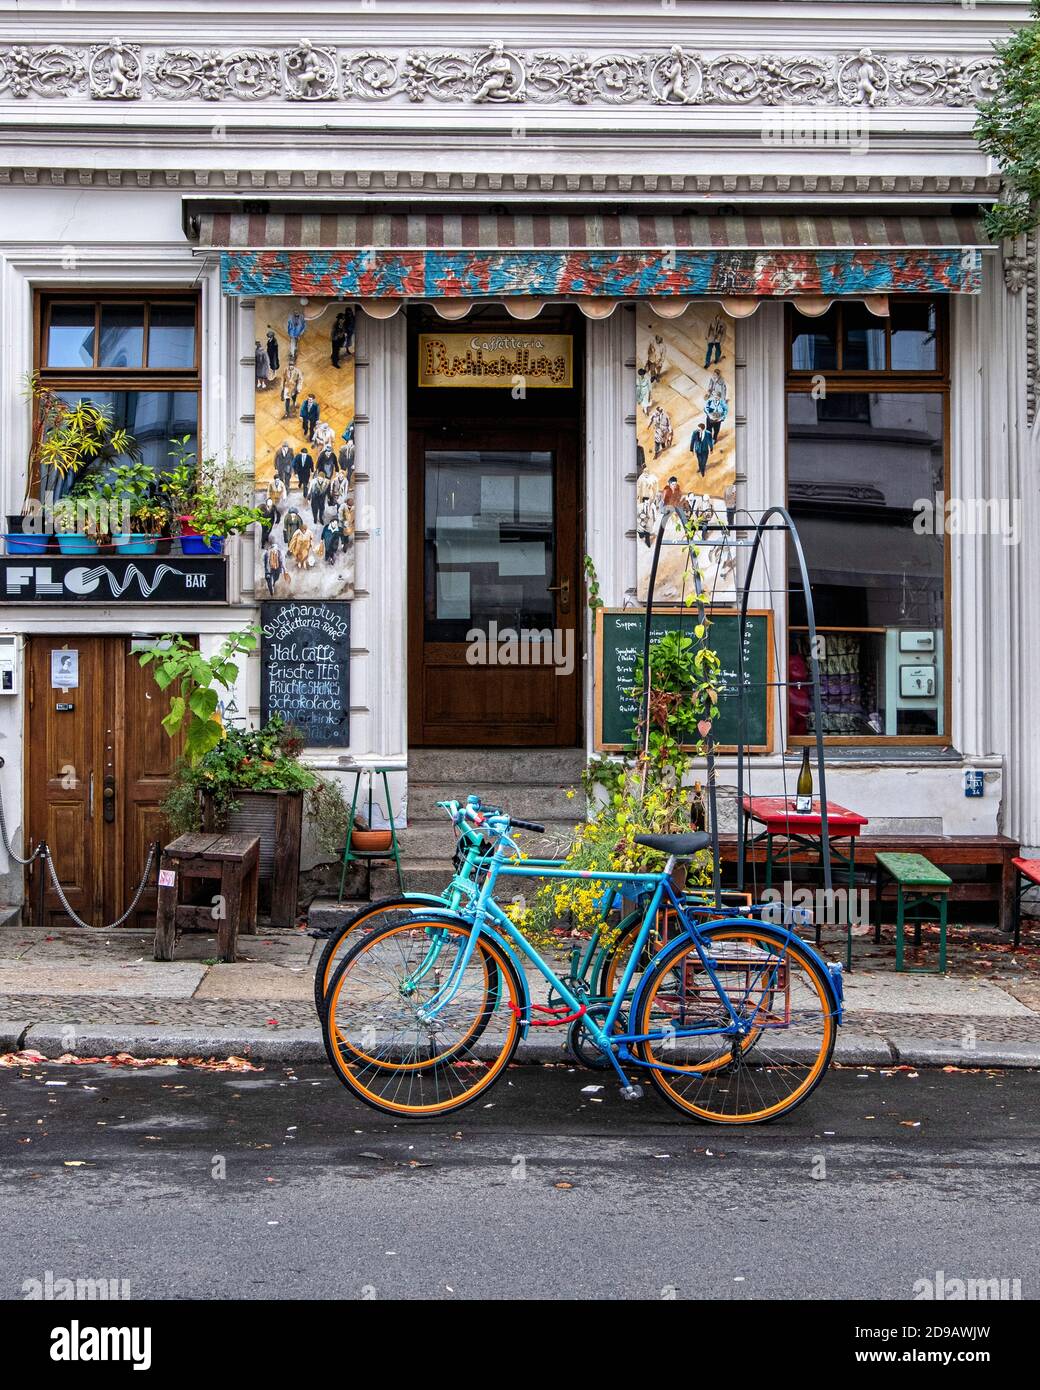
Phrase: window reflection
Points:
(70, 339)
(122, 335)
(171, 336)
(153, 418)
(814, 342)
(860, 466)
(489, 544)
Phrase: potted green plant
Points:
(66, 441)
(136, 519)
(79, 522)
(208, 500)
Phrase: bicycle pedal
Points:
(631, 1093)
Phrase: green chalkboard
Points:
(619, 645)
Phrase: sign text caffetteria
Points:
(496, 359)
(100, 579)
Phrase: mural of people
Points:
(684, 394)
(292, 385)
(272, 349)
(263, 367)
(305, 448)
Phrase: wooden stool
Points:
(921, 888)
(233, 861)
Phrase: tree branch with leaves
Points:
(1008, 128)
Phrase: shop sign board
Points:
(535, 360)
(104, 579)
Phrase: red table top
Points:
(778, 815)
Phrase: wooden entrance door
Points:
(98, 763)
(494, 587)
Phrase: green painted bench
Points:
(921, 889)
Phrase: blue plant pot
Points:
(74, 544)
(198, 545)
(25, 544)
(135, 544)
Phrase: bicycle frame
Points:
(615, 1046)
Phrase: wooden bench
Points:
(1027, 875)
(994, 853)
(192, 865)
(920, 888)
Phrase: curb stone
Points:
(12, 1031)
(303, 1045)
(268, 1045)
(931, 1052)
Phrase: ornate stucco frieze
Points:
(497, 74)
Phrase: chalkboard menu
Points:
(305, 668)
(619, 645)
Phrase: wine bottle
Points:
(803, 800)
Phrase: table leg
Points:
(942, 932)
(877, 903)
(231, 906)
(165, 917)
(347, 856)
(1008, 885)
(899, 926)
(1017, 918)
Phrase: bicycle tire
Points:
(379, 1081)
(770, 1064)
(361, 920)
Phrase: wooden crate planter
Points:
(277, 818)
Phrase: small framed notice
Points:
(64, 669)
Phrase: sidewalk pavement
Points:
(95, 993)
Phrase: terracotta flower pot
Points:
(371, 840)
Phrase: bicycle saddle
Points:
(679, 845)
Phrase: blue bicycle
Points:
(734, 1020)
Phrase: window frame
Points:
(143, 378)
(887, 382)
(939, 373)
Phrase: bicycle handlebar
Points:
(525, 825)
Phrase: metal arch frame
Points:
(792, 531)
(788, 526)
(709, 751)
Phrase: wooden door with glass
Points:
(494, 587)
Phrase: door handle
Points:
(564, 591)
(90, 796)
(108, 799)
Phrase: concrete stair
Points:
(531, 783)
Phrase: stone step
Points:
(458, 767)
(435, 840)
(420, 876)
(544, 801)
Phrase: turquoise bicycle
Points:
(594, 966)
(734, 1019)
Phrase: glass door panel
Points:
(489, 547)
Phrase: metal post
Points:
(40, 886)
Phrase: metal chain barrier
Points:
(7, 843)
(46, 856)
(42, 851)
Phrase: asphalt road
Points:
(189, 1184)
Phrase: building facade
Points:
(536, 265)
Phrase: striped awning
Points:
(458, 255)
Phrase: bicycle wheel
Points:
(390, 1040)
(614, 969)
(778, 992)
(616, 958)
(364, 919)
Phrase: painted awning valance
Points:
(469, 257)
